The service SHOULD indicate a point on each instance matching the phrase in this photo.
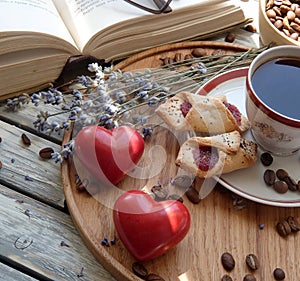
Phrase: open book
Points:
(37, 37)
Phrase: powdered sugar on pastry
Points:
(206, 157)
(214, 115)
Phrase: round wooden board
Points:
(217, 225)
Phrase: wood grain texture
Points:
(31, 235)
(20, 161)
(9, 274)
(222, 222)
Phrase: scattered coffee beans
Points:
(252, 261)
(159, 192)
(179, 57)
(228, 261)
(266, 159)
(281, 186)
(226, 277)
(182, 181)
(249, 277)
(175, 197)
(230, 37)
(293, 223)
(281, 174)
(279, 274)
(193, 195)
(283, 228)
(269, 177)
(199, 52)
(250, 28)
(292, 185)
(285, 182)
(25, 139)
(46, 152)
(139, 270)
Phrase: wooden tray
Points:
(219, 223)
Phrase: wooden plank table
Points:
(38, 238)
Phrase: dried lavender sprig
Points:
(88, 102)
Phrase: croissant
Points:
(206, 157)
(213, 115)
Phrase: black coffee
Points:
(277, 84)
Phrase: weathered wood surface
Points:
(31, 236)
(20, 161)
(9, 274)
(32, 210)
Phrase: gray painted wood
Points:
(31, 236)
(9, 274)
(20, 161)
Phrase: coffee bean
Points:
(228, 261)
(193, 195)
(25, 139)
(279, 274)
(250, 28)
(154, 277)
(292, 185)
(230, 37)
(266, 159)
(175, 197)
(1, 164)
(281, 174)
(293, 223)
(46, 152)
(249, 277)
(252, 261)
(167, 61)
(139, 270)
(199, 52)
(283, 228)
(182, 181)
(159, 192)
(298, 184)
(226, 277)
(218, 53)
(281, 186)
(269, 177)
(188, 59)
(178, 57)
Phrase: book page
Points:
(32, 16)
(85, 18)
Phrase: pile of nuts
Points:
(285, 16)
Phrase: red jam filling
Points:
(185, 108)
(235, 112)
(205, 157)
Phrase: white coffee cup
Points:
(274, 112)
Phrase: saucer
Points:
(249, 182)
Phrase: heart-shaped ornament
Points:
(108, 154)
(148, 228)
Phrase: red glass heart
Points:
(148, 228)
(108, 154)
